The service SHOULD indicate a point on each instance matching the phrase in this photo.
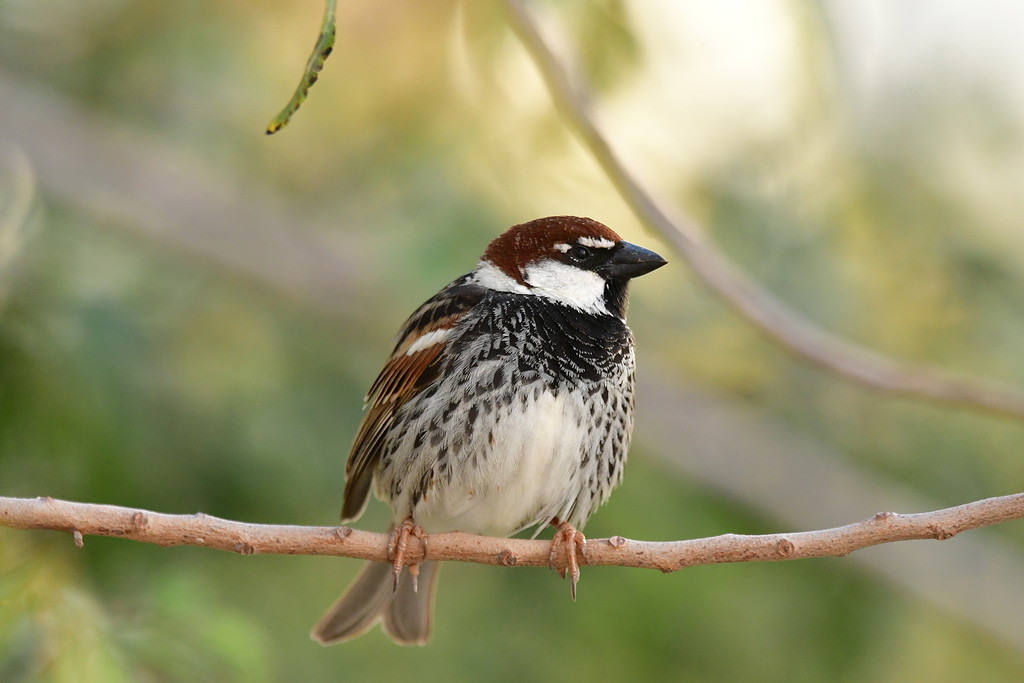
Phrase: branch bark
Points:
(780, 323)
(87, 519)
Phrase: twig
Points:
(778, 321)
(321, 51)
(86, 519)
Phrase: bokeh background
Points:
(190, 312)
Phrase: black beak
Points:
(629, 261)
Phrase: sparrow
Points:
(506, 404)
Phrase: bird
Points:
(506, 404)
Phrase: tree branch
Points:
(779, 322)
(86, 519)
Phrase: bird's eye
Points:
(579, 253)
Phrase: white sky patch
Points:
(582, 289)
(428, 340)
(596, 242)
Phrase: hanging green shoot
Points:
(322, 49)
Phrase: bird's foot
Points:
(397, 544)
(575, 550)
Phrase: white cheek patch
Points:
(596, 242)
(428, 340)
(492, 277)
(582, 289)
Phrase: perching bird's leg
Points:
(575, 542)
(397, 544)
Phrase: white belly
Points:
(530, 475)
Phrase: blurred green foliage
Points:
(139, 374)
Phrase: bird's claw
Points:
(398, 542)
(575, 549)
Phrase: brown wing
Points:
(412, 367)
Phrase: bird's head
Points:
(572, 261)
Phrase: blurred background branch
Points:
(17, 199)
(174, 201)
(778, 321)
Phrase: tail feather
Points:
(359, 608)
(407, 614)
(409, 620)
